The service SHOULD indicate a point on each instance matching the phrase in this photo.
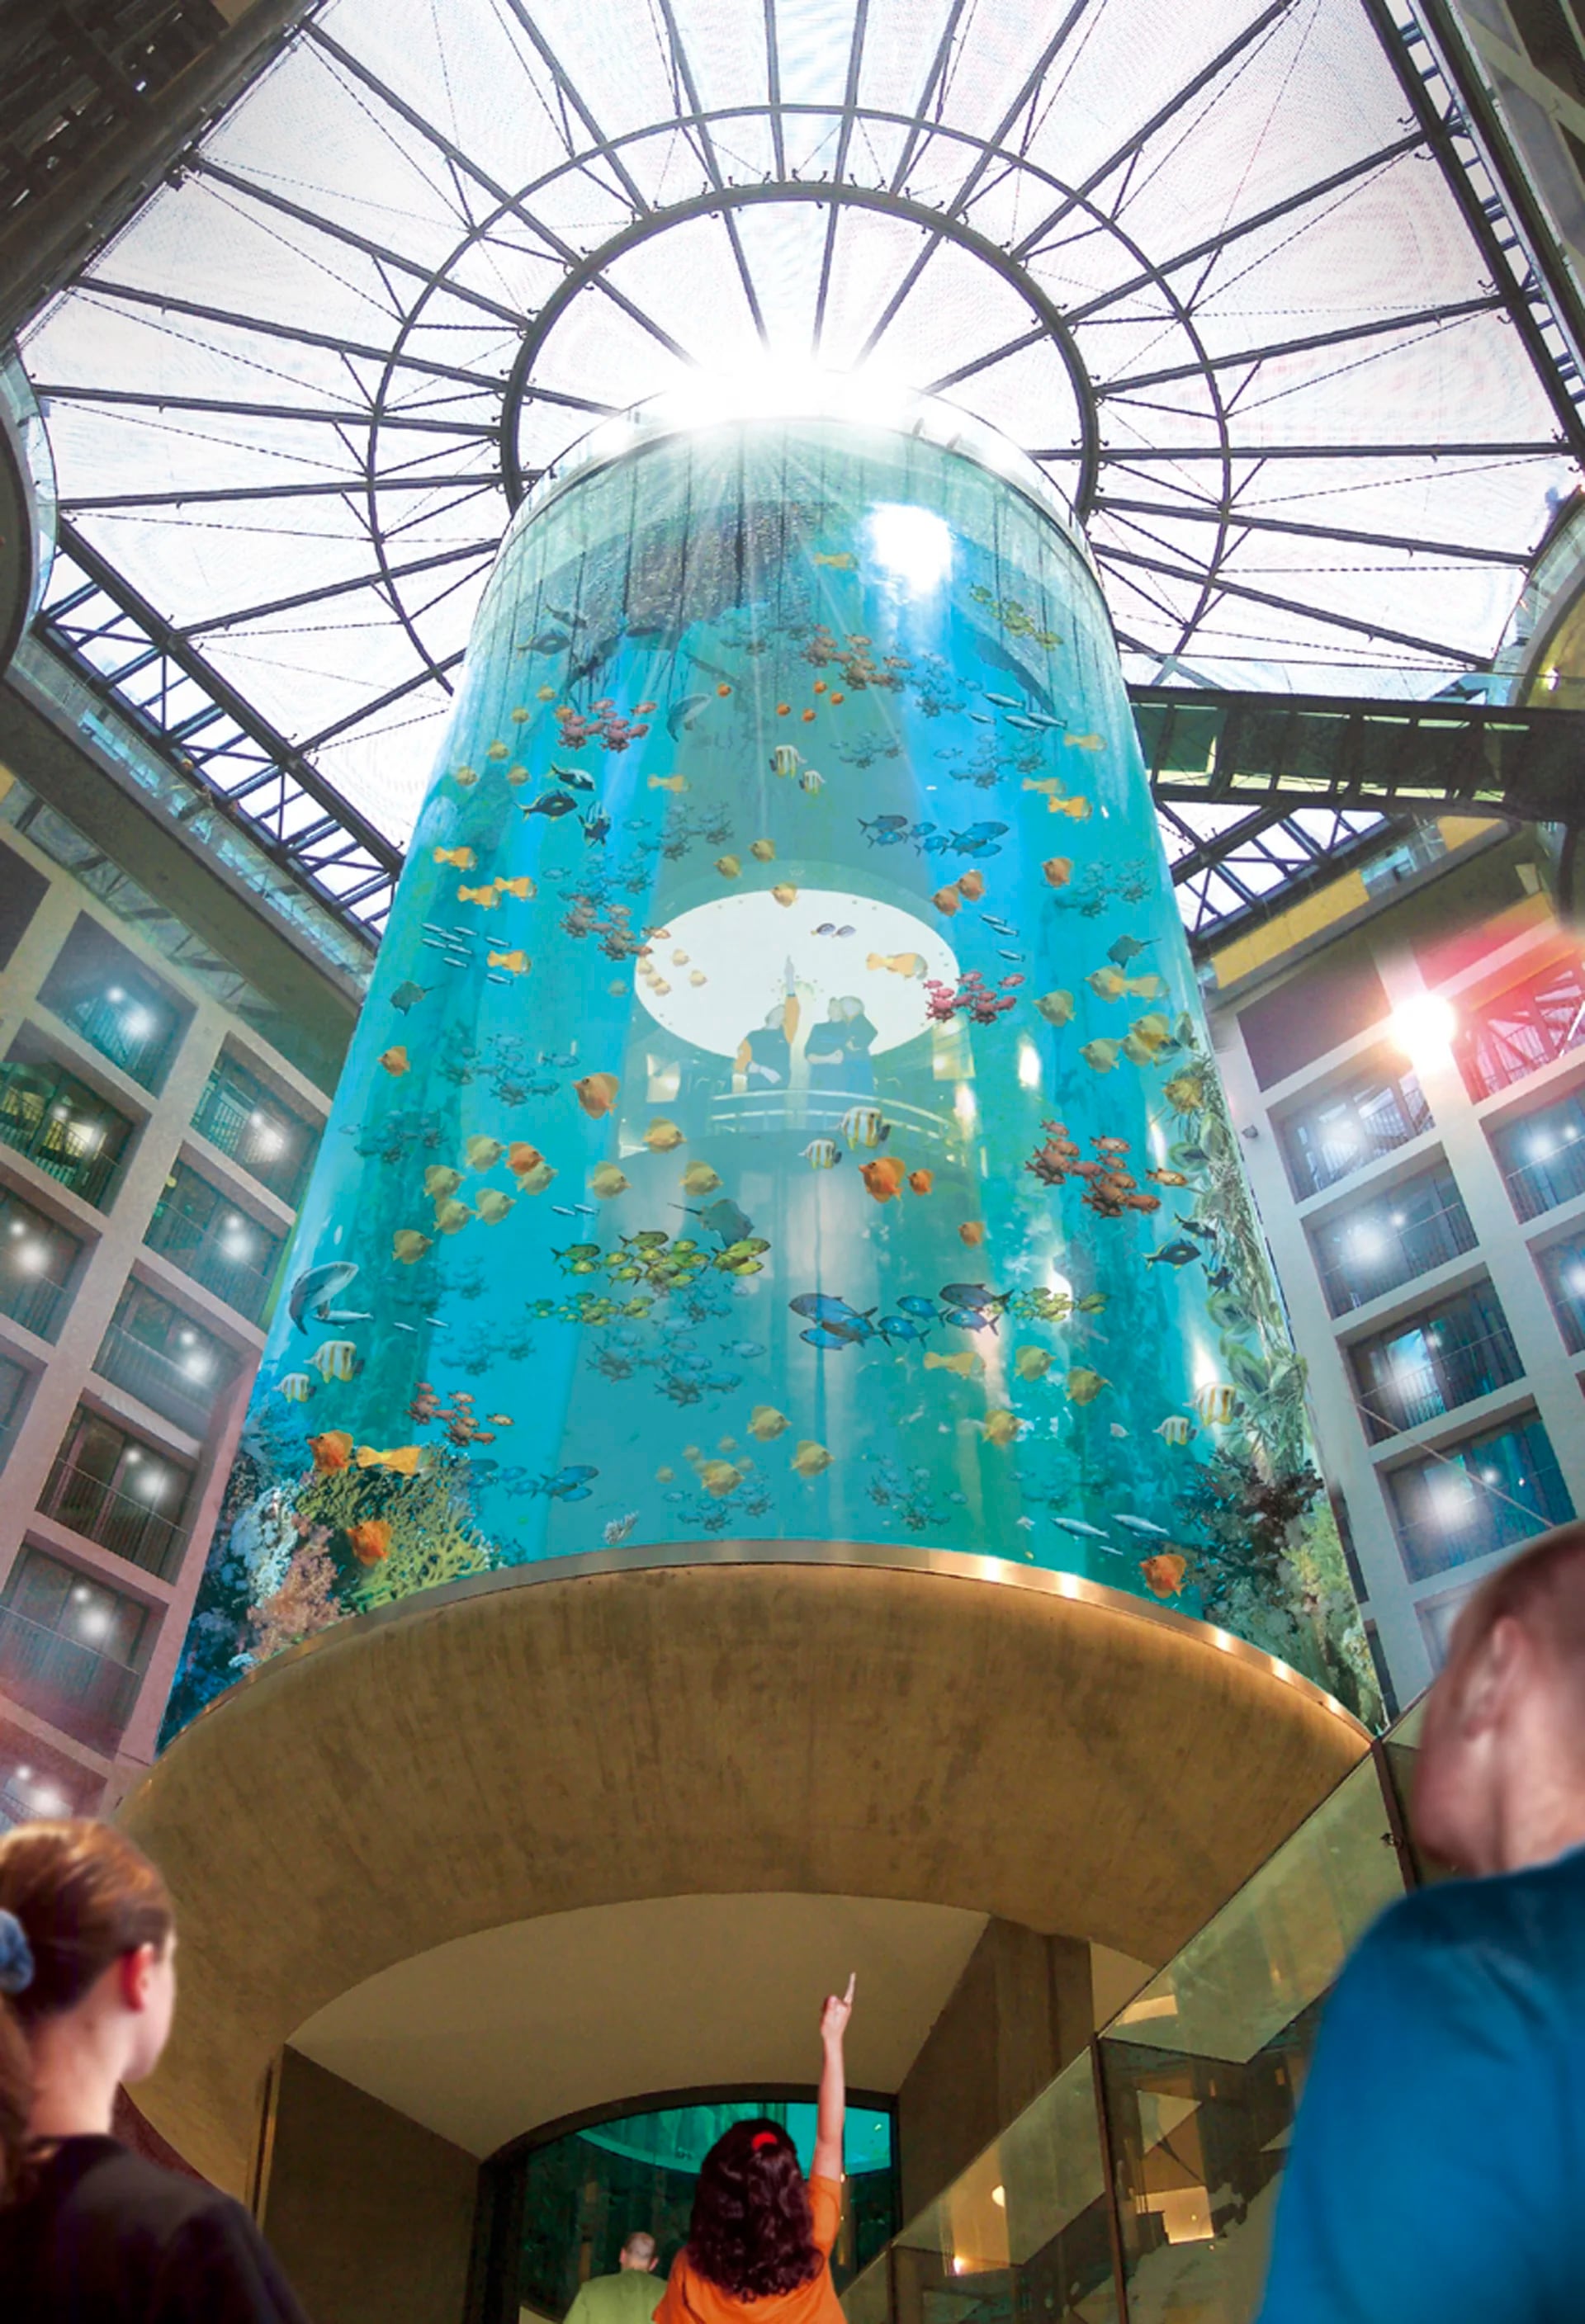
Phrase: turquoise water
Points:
(783, 1108)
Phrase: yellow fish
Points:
(463, 858)
(1085, 1385)
(765, 1422)
(697, 976)
(785, 894)
(787, 758)
(440, 1180)
(516, 774)
(1083, 743)
(1056, 1008)
(664, 1476)
(1032, 1363)
(485, 898)
(521, 716)
(719, 1477)
(663, 1137)
(518, 962)
(409, 1245)
(841, 561)
(966, 1364)
(482, 1153)
(1163, 1572)
(465, 776)
(404, 1460)
(1214, 1402)
(764, 850)
(1077, 810)
(492, 1206)
(1102, 1057)
(810, 1459)
(496, 750)
(545, 694)
(606, 1181)
(452, 1217)
(1057, 871)
(728, 866)
(1175, 1430)
(1000, 1426)
(1111, 984)
(396, 1062)
(901, 964)
(524, 890)
(1155, 1029)
(668, 783)
(699, 1178)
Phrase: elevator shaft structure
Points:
(783, 1106)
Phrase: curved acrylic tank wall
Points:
(782, 1106)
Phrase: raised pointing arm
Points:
(833, 2084)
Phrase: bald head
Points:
(1500, 1781)
(638, 2252)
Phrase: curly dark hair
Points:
(752, 2232)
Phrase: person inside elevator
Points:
(91, 2233)
(630, 2296)
(760, 2240)
(1438, 2154)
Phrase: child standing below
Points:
(760, 2241)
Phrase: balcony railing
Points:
(1542, 1184)
(278, 1158)
(201, 1252)
(117, 1521)
(1387, 1257)
(118, 1033)
(1322, 1150)
(179, 1390)
(35, 1301)
(1453, 1373)
(91, 1176)
(82, 1691)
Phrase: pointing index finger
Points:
(852, 1981)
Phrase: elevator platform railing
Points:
(1140, 2185)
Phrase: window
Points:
(99, 988)
(122, 1493)
(1389, 1239)
(13, 1388)
(1523, 1029)
(159, 1354)
(1432, 1362)
(1543, 1156)
(36, 1260)
(1351, 1125)
(1487, 1494)
(243, 1119)
(201, 1230)
(63, 1127)
(1562, 1270)
(71, 1650)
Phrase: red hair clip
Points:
(763, 2139)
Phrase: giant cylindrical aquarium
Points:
(783, 1110)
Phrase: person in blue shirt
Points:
(1436, 2173)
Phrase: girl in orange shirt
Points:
(760, 2241)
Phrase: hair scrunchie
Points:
(16, 1955)
(761, 2138)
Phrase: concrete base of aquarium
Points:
(804, 1719)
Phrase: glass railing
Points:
(1476, 1497)
(179, 1390)
(275, 1153)
(208, 1255)
(1408, 1389)
(1540, 1185)
(118, 1033)
(1334, 1141)
(1377, 1257)
(119, 1522)
(89, 1172)
(84, 1693)
(1141, 2184)
(32, 1299)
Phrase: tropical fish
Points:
(517, 963)
(465, 776)
(1111, 984)
(765, 1422)
(312, 1292)
(1118, 1429)
(920, 1182)
(972, 1233)
(668, 783)
(296, 1388)
(482, 1153)
(787, 758)
(1163, 1572)
(841, 561)
(685, 713)
(809, 780)
(971, 885)
(900, 1327)
(1032, 1363)
(1214, 1402)
(408, 1245)
(1000, 1426)
(1168, 1177)
(1056, 1008)
(485, 898)
(1175, 1429)
(1102, 1057)
(719, 1477)
(370, 1540)
(396, 1062)
(1125, 949)
(596, 1093)
(979, 839)
(865, 1125)
(764, 850)
(408, 995)
(731, 1225)
(492, 1206)
(462, 858)
(1085, 1532)
(403, 1460)
(913, 1303)
(785, 894)
(440, 1180)
(837, 1324)
(569, 1484)
(663, 1136)
(1084, 1384)
(810, 1459)
(331, 1452)
(822, 1154)
(336, 1359)
(1083, 743)
(1180, 1253)
(699, 1178)
(607, 1180)
(451, 1217)
(616, 1530)
(882, 1178)
(1057, 871)
(900, 963)
(576, 779)
(948, 901)
(1142, 1524)
(728, 866)
(522, 1158)
(966, 1364)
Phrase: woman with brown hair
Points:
(89, 2232)
(760, 2240)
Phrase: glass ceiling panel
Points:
(1196, 255)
